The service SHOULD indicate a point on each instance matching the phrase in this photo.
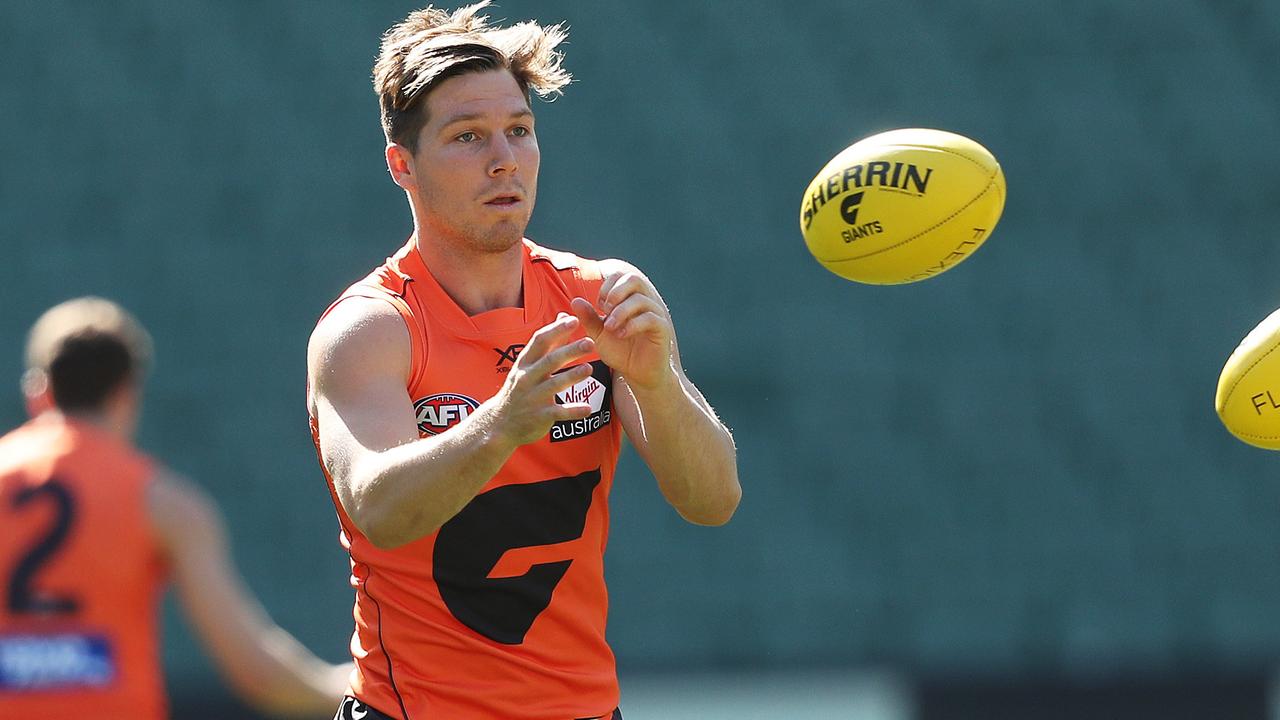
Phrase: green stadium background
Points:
(1010, 476)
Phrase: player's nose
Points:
(504, 157)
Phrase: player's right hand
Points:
(526, 408)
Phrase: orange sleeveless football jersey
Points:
(501, 612)
(83, 577)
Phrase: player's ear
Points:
(35, 388)
(400, 165)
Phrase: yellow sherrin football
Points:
(902, 206)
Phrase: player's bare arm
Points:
(395, 486)
(674, 429)
(265, 665)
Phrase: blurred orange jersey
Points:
(82, 577)
(501, 612)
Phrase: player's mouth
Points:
(506, 200)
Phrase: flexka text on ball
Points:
(903, 176)
(1259, 403)
(959, 253)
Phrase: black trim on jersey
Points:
(391, 675)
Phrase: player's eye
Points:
(520, 131)
(468, 137)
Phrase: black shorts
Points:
(353, 709)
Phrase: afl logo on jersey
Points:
(437, 413)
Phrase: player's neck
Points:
(477, 281)
(99, 420)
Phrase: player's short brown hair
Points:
(87, 348)
(432, 45)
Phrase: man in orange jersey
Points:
(94, 530)
(468, 400)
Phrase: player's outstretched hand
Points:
(526, 405)
(632, 329)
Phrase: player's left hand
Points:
(632, 329)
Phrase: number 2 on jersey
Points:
(23, 598)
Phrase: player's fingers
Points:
(571, 411)
(566, 379)
(547, 338)
(624, 287)
(587, 315)
(564, 355)
(646, 322)
(606, 287)
(628, 309)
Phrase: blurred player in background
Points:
(93, 532)
(468, 400)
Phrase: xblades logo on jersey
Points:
(507, 357)
(439, 412)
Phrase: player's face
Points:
(476, 168)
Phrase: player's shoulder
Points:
(616, 266)
(178, 494)
(355, 315)
(21, 445)
(358, 334)
(16, 437)
(556, 259)
(45, 427)
(584, 267)
(180, 510)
